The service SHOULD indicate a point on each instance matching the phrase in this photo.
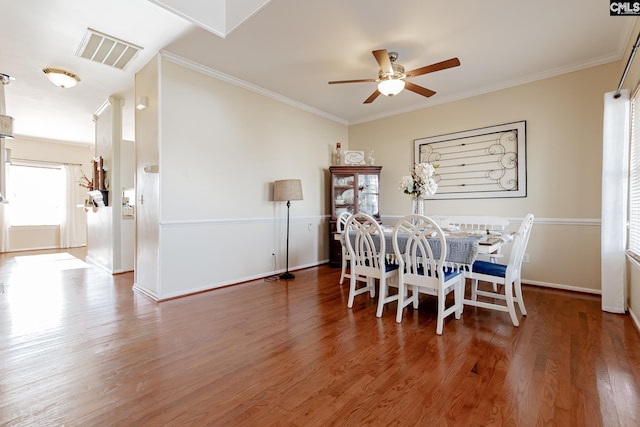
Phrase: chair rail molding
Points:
(218, 221)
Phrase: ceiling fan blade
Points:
(449, 63)
(382, 56)
(352, 81)
(371, 98)
(418, 89)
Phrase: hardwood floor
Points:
(79, 347)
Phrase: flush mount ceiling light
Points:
(61, 78)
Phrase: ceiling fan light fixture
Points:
(391, 87)
(61, 78)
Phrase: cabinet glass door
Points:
(343, 191)
(368, 192)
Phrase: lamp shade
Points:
(287, 189)
(391, 87)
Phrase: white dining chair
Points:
(340, 226)
(367, 249)
(507, 275)
(422, 269)
(471, 223)
(475, 223)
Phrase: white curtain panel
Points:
(5, 222)
(615, 175)
(71, 233)
(4, 227)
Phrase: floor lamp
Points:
(287, 190)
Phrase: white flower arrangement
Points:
(421, 182)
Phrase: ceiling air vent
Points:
(105, 49)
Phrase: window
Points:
(36, 195)
(634, 178)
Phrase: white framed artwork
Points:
(354, 157)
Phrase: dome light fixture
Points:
(391, 86)
(61, 78)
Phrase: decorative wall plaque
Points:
(480, 163)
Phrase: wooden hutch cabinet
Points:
(354, 189)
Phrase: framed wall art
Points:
(480, 163)
(354, 157)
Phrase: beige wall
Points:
(219, 149)
(30, 149)
(147, 184)
(564, 140)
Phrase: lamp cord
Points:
(274, 276)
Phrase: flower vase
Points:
(417, 206)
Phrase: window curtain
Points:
(4, 227)
(5, 208)
(72, 233)
(615, 167)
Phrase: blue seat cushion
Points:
(489, 268)
(448, 273)
(387, 266)
(390, 267)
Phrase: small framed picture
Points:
(354, 157)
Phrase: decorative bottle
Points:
(339, 159)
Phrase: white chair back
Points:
(469, 223)
(478, 223)
(346, 258)
(416, 260)
(366, 251)
(342, 221)
(520, 242)
(421, 268)
(507, 275)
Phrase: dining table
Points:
(462, 246)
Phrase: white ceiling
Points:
(292, 48)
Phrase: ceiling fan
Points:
(392, 77)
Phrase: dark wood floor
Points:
(79, 347)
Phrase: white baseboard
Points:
(96, 264)
(636, 321)
(562, 287)
(145, 292)
(236, 281)
(38, 248)
(111, 271)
